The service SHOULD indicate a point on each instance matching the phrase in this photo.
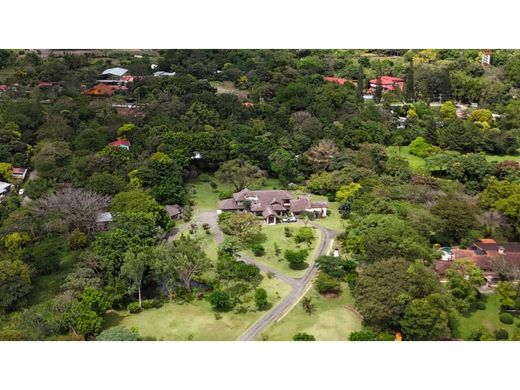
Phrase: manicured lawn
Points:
(196, 320)
(275, 234)
(417, 164)
(496, 157)
(333, 320)
(333, 221)
(488, 318)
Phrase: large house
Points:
(272, 205)
(388, 83)
(497, 261)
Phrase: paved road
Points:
(296, 293)
(299, 285)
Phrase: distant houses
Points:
(338, 80)
(174, 211)
(388, 83)
(99, 90)
(120, 143)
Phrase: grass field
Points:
(333, 221)
(417, 164)
(195, 320)
(275, 233)
(496, 157)
(488, 318)
(333, 320)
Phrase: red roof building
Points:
(121, 143)
(337, 80)
(388, 83)
(99, 90)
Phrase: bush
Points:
(287, 231)
(326, 284)
(345, 209)
(220, 300)
(118, 333)
(133, 307)
(302, 336)
(331, 197)
(77, 239)
(296, 259)
(261, 299)
(506, 318)
(152, 303)
(501, 334)
(225, 195)
(363, 335)
(258, 250)
(480, 305)
(305, 234)
(277, 249)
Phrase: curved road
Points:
(299, 285)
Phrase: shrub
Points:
(213, 185)
(225, 195)
(344, 209)
(296, 259)
(480, 305)
(363, 335)
(133, 307)
(152, 303)
(326, 284)
(302, 336)
(501, 334)
(305, 234)
(287, 231)
(118, 333)
(506, 318)
(77, 239)
(220, 300)
(331, 197)
(277, 249)
(258, 250)
(261, 299)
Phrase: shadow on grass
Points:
(299, 267)
(112, 318)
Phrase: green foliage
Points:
(501, 334)
(305, 234)
(506, 318)
(345, 208)
(244, 226)
(35, 189)
(118, 333)
(133, 307)
(347, 192)
(369, 335)
(261, 300)
(15, 283)
(296, 258)
(325, 284)
(507, 295)
(225, 195)
(336, 267)
(46, 255)
(419, 147)
(302, 336)
(220, 300)
(258, 250)
(239, 173)
(106, 183)
(77, 240)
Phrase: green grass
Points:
(333, 320)
(46, 287)
(333, 221)
(488, 318)
(196, 320)
(417, 164)
(498, 158)
(275, 233)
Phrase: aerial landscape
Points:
(259, 195)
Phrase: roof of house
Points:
(264, 196)
(45, 84)
(129, 111)
(301, 204)
(229, 204)
(4, 185)
(485, 252)
(19, 171)
(388, 82)
(104, 217)
(115, 71)
(99, 90)
(173, 210)
(120, 142)
(161, 73)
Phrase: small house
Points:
(4, 188)
(18, 173)
(103, 221)
(99, 90)
(388, 83)
(338, 80)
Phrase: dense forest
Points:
(409, 170)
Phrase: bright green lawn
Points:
(196, 320)
(333, 320)
(333, 221)
(488, 318)
(275, 233)
(495, 157)
(417, 164)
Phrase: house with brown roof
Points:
(272, 205)
(497, 261)
(174, 211)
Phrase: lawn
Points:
(275, 234)
(196, 320)
(333, 221)
(417, 164)
(498, 158)
(488, 318)
(333, 320)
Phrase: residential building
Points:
(174, 211)
(104, 220)
(388, 83)
(338, 80)
(272, 205)
(121, 143)
(4, 188)
(18, 173)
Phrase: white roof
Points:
(4, 185)
(162, 73)
(104, 217)
(115, 71)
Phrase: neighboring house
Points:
(120, 143)
(18, 173)
(104, 220)
(117, 72)
(99, 90)
(272, 205)
(492, 258)
(174, 211)
(130, 111)
(4, 188)
(388, 83)
(161, 73)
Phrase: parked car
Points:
(289, 219)
(21, 191)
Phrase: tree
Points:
(419, 147)
(507, 295)
(15, 283)
(429, 319)
(459, 218)
(360, 89)
(85, 315)
(133, 268)
(51, 158)
(305, 234)
(243, 226)
(283, 163)
(261, 301)
(308, 306)
(75, 207)
(448, 110)
(296, 258)
(379, 87)
(302, 336)
(464, 280)
(410, 82)
(106, 183)
(347, 192)
(220, 300)
(344, 209)
(182, 260)
(239, 173)
(321, 154)
(336, 267)
(139, 202)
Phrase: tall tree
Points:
(409, 82)
(240, 173)
(360, 83)
(133, 268)
(378, 94)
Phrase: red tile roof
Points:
(389, 82)
(337, 80)
(120, 142)
(99, 90)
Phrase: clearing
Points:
(333, 320)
